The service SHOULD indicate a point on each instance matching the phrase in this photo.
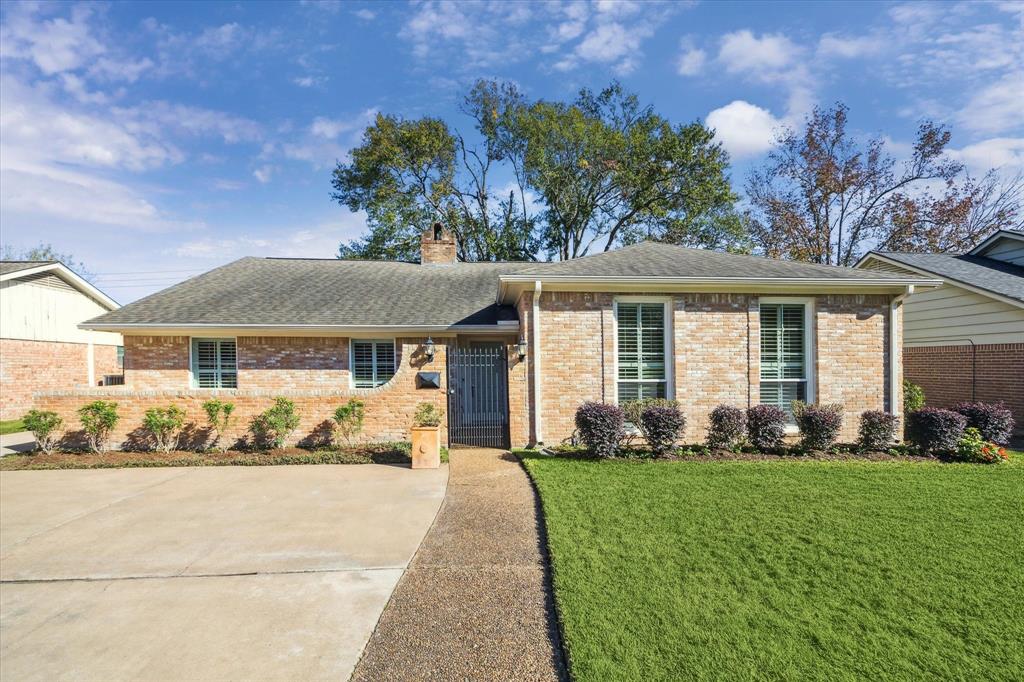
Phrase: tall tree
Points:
(599, 171)
(46, 252)
(824, 197)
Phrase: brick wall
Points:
(27, 367)
(945, 373)
(274, 363)
(389, 408)
(716, 345)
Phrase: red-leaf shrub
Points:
(933, 430)
(662, 425)
(877, 429)
(766, 427)
(727, 426)
(993, 420)
(601, 427)
(819, 424)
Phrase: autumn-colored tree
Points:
(824, 197)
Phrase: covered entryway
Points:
(478, 395)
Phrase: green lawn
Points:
(11, 426)
(787, 570)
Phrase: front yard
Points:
(786, 569)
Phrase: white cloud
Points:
(744, 53)
(228, 185)
(53, 45)
(320, 240)
(744, 129)
(365, 14)
(1004, 153)
(264, 173)
(996, 108)
(691, 61)
(609, 42)
(832, 45)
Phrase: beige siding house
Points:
(41, 345)
(510, 350)
(965, 340)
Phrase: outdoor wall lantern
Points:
(428, 349)
(521, 349)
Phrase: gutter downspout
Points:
(894, 348)
(535, 342)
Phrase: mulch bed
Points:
(383, 453)
(723, 455)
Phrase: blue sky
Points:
(158, 140)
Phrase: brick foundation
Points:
(28, 367)
(987, 373)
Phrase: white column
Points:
(535, 341)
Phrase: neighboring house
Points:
(41, 346)
(510, 350)
(965, 340)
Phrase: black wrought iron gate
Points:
(478, 395)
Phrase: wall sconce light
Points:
(428, 349)
(521, 349)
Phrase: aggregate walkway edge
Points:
(475, 603)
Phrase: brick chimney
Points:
(437, 246)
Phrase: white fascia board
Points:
(69, 276)
(300, 330)
(777, 285)
(1001, 234)
(945, 279)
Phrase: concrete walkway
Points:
(218, 573)
(475, 603)
(11, 443)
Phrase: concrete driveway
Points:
(203, 573)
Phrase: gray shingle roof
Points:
(273, 291)
(651, 259)
(9, 266)
(989, 274)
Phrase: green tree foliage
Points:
(589, 174)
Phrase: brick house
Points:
(965, 340)
(41, 347)
(509, 350)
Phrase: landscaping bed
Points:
(702, 453)
(786, 569)
(374, 453)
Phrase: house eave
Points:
(79, 283)
(221, 329)
(945, 279)
(511, 284)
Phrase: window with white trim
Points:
(214, 363)
(373, 362)
(783, 354)
(641, 351)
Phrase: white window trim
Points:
(193, 382)
(810, 345)
(670, 360)
(352, 360)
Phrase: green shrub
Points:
(766, 427)
(634, 411)
(427, 414)
(220, 417)
(661, 426)
(274, 427)
(993, 420)
(45, 427)
(348, 420)
(974, 448)
(913, 397)
(727, 427)
(935, 431)
(98, 420)
(164, 424)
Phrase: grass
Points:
(375, 453)
(786, 570)
(11, 426)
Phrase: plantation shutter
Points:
(641, 351)
(783, 355)
(214, 363)
(373, 363)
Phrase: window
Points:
(641, 352)
(783, 354)
(373, 363)
(214, 363)
(120, 357)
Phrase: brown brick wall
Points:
(273, 363)
(389, 408)
(27, 367)
(945, 373)
(716, 355)
(153, 363)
